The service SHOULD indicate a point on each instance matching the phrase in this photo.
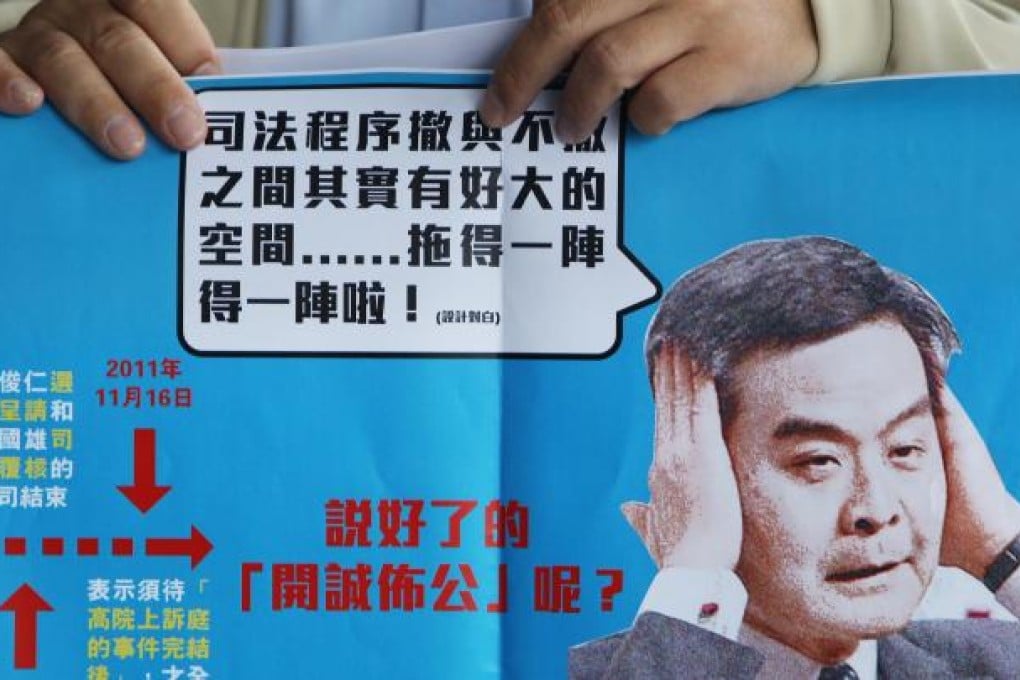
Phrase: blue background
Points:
(920, 173)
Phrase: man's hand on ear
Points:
(694, 518)
(682, 57)
(982, 517)
(96, 60)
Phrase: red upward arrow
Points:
(144, 493)
(196, 546)
(26, 605)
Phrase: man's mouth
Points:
(868, 571)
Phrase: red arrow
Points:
(196, 546)
(144, 493)
(26, 605)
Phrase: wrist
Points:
(994, 540)
(701, 553)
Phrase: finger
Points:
(78, 89)
(963, 449)
(705, 425)
(636, 514)
(955, 426)
(19, 94)
(546, 45)
(143, 76)
(684, 89)
(673, 383)
(616, 60)
(178, 30)
(688, 424)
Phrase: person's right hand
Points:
(982, 516)
(96, 60)
(694, 518)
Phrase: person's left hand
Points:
(982, 517)
(684, 57)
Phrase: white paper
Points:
(475, 46)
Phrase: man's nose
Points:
(873, 502)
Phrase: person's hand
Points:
(98, 59)
(684, 57)
(982, 517)
(693, 519)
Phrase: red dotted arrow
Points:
(145, 493)
(53, 546)
(195, 546)
(26, 605)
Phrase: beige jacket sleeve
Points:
(864, 38)
(11, 12)
(233, 23)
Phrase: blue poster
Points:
(359, 387)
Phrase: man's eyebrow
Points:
(919, 408)
(805, 428)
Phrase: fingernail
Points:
(492, 110)
(209, 68)
(25, 94)
(186, 126)
(124, 136)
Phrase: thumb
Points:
(638, 515)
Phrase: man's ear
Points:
(638, 515)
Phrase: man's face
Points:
(839, 468)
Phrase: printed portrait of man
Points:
(812, 469)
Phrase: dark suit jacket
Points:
(658, 647)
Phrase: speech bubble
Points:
(388, 220)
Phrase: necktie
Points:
(841, 672)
